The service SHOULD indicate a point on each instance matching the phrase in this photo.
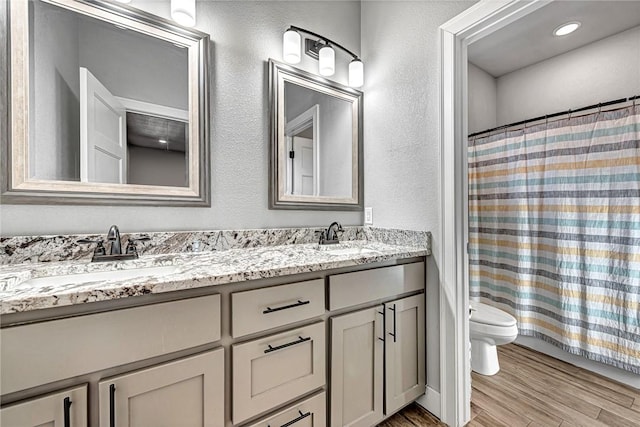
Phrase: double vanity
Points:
(296, 334)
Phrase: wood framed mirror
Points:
(104, 104)
(316, 142)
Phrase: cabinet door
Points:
(357, 368)
(404, 352)
(186, 393)
(64, 409)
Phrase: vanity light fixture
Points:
(184, 12)
(566, 28)
(322, 49)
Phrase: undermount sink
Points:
(114, 275)
(348, 251)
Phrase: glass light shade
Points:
(327, 61)
(356, 73)
(291, 46)
(184, 12)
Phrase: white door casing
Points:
(478, 21)
(103, 133)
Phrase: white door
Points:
(103, 133)
(304, 177)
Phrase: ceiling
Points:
(531, 40)
(146, 131)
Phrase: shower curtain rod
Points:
(548, 116)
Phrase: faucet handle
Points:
(99, 249)
(131, 245)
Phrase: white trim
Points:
(135, 106)
(309, 118)
(471, 25)
(430, 401)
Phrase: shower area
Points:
(554, 188)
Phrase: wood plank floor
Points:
(535, 390)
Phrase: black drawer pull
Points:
(112, 405)
(284, 307)
(67, 416)
(301, 417)
(300, 340)
(394, 323)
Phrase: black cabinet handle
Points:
(394, 323)
(284, 307)
(301, 417)
(112, 405)
(383, 319)
(300, 340)
(67, 416)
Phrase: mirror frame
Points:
(280, 73)
(17, 188)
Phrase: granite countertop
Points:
(27, 287)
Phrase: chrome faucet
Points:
(115, 253)
(113, 236)
(330, 235)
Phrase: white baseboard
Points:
(615, 374)
(430, 401)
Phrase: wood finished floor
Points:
(535, 390)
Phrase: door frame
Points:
(477, 22)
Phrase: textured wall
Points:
(482, 88)
(605, 70)
(244, 35)
(402, 147)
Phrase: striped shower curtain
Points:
(554, 217)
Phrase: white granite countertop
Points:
(26, 287)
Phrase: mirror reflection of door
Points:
(103, 133)
(303, 173)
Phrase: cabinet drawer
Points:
(276, 369)
(187, 393)
(40, 353)
(49, 410)
(370, 285)
(262, 309)
(311, 412)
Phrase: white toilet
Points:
(489, 327)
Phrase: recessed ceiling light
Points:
(567, 28)
(162, 141)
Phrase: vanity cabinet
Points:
(67, 408)
(311, 412)
(187, 393)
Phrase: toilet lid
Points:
(488, 315)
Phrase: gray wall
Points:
(605, 70)
(336, 151)
(148, 166)
(137, 66)
(54, 125)
(400, 47)
(482, 89)
(244, 35)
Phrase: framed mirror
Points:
(316, 142)
(105, 104)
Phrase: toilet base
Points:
(484, 358)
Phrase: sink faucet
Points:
(330, 235)
(114, 237)
(115, 254)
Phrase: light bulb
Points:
(291, 46)
(567, 28)
(184, 12)
(356, 73)
(327, 61)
